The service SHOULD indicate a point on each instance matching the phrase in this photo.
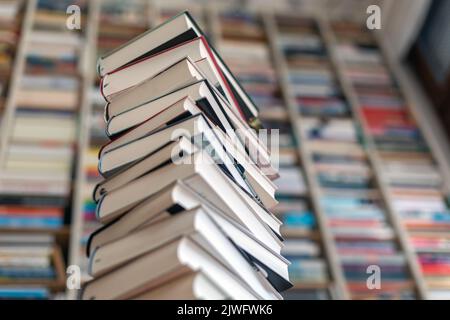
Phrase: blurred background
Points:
(364, 120)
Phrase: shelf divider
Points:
(88, 76)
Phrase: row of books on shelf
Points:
(41, 144)
(312, 82)
(36, 179)
(27, 262)
(249, 54)
(11, 14)
(414, 179)
(309, 269)
(356, 216)
(308, 87)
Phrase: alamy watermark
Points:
(373, 21)
(73, 21)
(73, 281)
(373, 282)
(247, 147)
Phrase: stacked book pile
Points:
(10, 25)
(118, 23)
(349, 198)
(185, 202)
(308, 269)
(413, 176)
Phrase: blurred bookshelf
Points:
(39, 149)
(361, 181)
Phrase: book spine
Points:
(227, 85)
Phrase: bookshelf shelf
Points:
(417, 105)
(373, 158)
(281, 116)
(338, 279)
(61, 234)
(35, 34)
(54, 285)
(426, 286)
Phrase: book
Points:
(175, 31)
(208, 102)
(181, 256)
(196, 221)
(197, 174)
(196, 128)
(412, 176)
(172, 201)
(194, 286)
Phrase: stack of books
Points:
(349, 198)
(10, 25)
(118, 23)
(184, 203)
(413, 176)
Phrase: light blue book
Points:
(299, 219)
(24, 293)
(31, 222)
